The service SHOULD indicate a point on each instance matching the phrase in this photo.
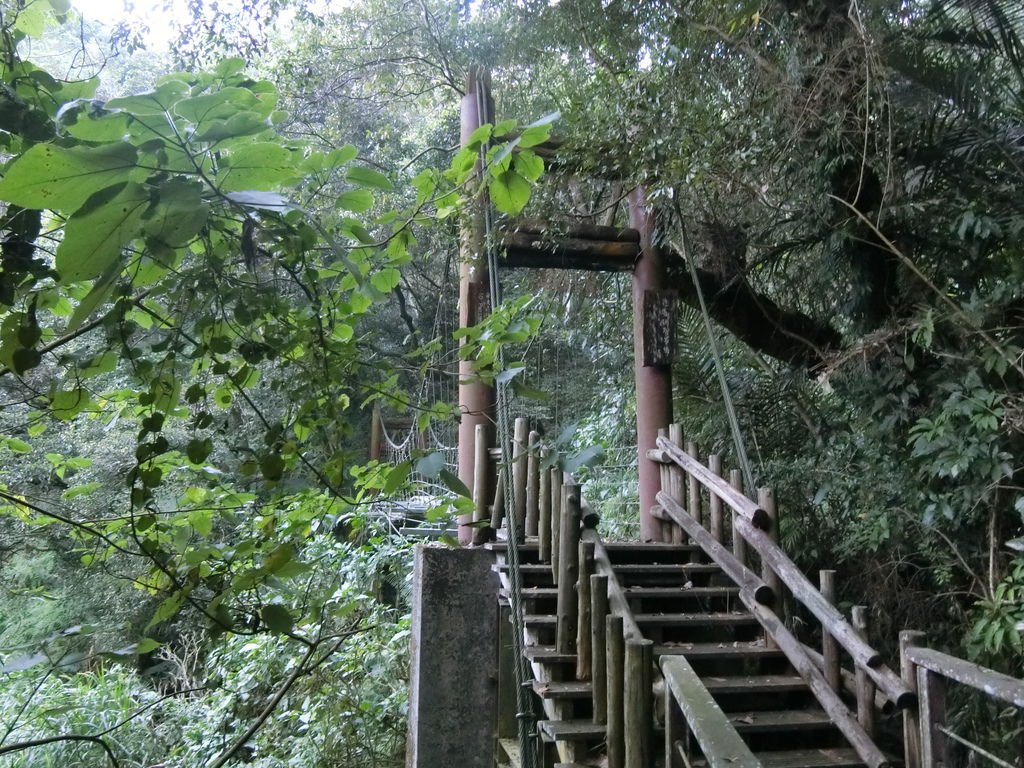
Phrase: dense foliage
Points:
(208, 281)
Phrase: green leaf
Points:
(272, 466)
(510, 192)
(238, 125)
(99, 293)
(455, 485)
(59, 179)
(430, 466)
(277, 618)
(385, 280)
(155, 103)
(198, 449)
(396, 478)
(17, 446)
(279, 558)
(584, 458)
(262, 166)
(93, 239)
(217, 105)
(367, 177)
(179, 215)
(202, 521)
(356, 200)
(146, 645)
(528, 165)
(66, 404)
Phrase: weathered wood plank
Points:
(992, 683)
(717, 737)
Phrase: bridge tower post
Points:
(653, 349)
(476, 399)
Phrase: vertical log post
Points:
(829, 646)
(865, 685)
(568, 570)
(544, 513)
(931, 695)
(480, 476)
(766, 500)
(739, 544)
(533, 484)
(519, 476)
(653, 378)
(498, 510)
(599, 646)
(715, 523)
(616, 661)
(556, 520)
(476, 399)
(675, 434)
(638, 717)
(666, 486)
(376, 434)
(584, 652)
(911, 717)
(693, 503)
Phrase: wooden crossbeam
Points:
(581, 246)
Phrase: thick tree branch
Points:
(754, 319)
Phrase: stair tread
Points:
(571, 730)
(610, 546)
(694, 619)
(811, 758)
(717, 650)
(753, 683)
(547, 653)
(562, 690)
(780, 720)
(681, 591)
(540, 619)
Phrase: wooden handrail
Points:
(616, 596)
(992, 683)
(750, 524)
(721, 744)
(672, 453)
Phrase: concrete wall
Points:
(453, 679)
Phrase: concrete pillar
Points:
(653, 381)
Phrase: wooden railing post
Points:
(665, 474)
(616, 658)
(931, 696)
(480, 477)
(568, 569)
(638, 717)
(829, 646)
(498, 509)
(675, 489)
(865, 685)
(599, 646)
(583, 627)
(376, 433)
(693, 503)
(739, 544)
(519, 476)
(556, 520)
(716, 524)
(533, 484)
(544, 513)
(911, 716)
(766, 500)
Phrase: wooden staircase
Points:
(688, 607)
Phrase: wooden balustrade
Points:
(927, 739)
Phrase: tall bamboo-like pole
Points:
(476, 399)
(653, 382)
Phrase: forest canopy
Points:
(217, 260)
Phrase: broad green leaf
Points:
(385, 280)
(241, 124)
(356, 200)
(198, 450)
(455, 485)
(146, 645)
(179, 215)
(202, 521)
(65, 404)
(279, 557)
(342, 155)
(157, 102)
(510, 192)
(277, 618)
(17, 446)
(101, 289)
(93, 240)
(48, 176)
(272, 466)
(367, 177)
(217, 105)
(261, 166)
(84, 121)
(396, 478)
(528, 165)
(430, 466)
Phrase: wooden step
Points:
(753, 684)
(810, 758)
(781, 720)
(540, 620)
(511, 749)
(694, 619)
(647, 593)
(548, 655)
(709, 651)
(566, 690)
(571, 730)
